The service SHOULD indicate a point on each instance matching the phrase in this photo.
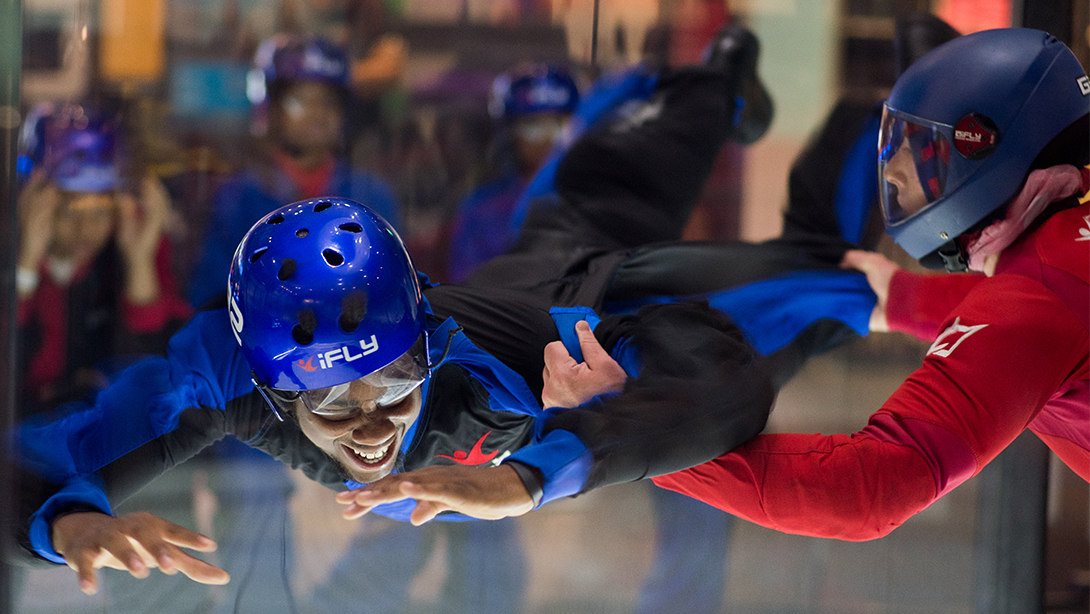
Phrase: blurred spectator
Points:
(298, 90)
(93, 276)
(534, 103)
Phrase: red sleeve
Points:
(996, 363)
(170, 305)
(918, 304)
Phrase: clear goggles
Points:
(386, 387)
(913, 162)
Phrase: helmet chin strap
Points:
(954, 257)
(446, 349)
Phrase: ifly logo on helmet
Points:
(326, 360)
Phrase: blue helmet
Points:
(974, 114)
(77, 146)
(533, 88)
(322, 293)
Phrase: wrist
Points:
(79, 508)
(532, 479)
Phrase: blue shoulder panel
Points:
(203, 368)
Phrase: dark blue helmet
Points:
(962, 127)
(76, 145)
(533, 88)
(322, 292)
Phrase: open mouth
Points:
(374, 458)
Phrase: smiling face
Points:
(365, 439)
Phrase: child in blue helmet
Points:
(298, 90)
(93, 278)
(982, 162)
(533, 102)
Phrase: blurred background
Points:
(424, 120)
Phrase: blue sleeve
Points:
(203, 369)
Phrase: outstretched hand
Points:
(135, 543)
(569, 383)
(879, 271)
(489, 493)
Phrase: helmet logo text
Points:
(1084, 85)
(975, 136)
(327, 359)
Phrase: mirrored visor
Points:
(383, 388)
(913, 160)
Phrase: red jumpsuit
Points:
(1009, 353)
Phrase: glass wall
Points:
(200, 127)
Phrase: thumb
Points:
(593, 352)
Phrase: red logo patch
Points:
(975, 136)
(306, 366)
(476, 456)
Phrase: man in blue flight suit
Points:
(335, 357)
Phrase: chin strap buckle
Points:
(953, 257)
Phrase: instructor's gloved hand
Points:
(134, 543)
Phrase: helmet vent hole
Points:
(302, 232)
(332, 257)
(276, 219)
(259, 252)
(303, 332)
(287, 269)
(301, 336)
(322, 206)
(351, 227)
(353, 308)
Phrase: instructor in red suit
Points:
(982, 163)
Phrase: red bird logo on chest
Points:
(475, 456)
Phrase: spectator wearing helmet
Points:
(93, 278)
(982, 162)
(533, 103)
(298, 90)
